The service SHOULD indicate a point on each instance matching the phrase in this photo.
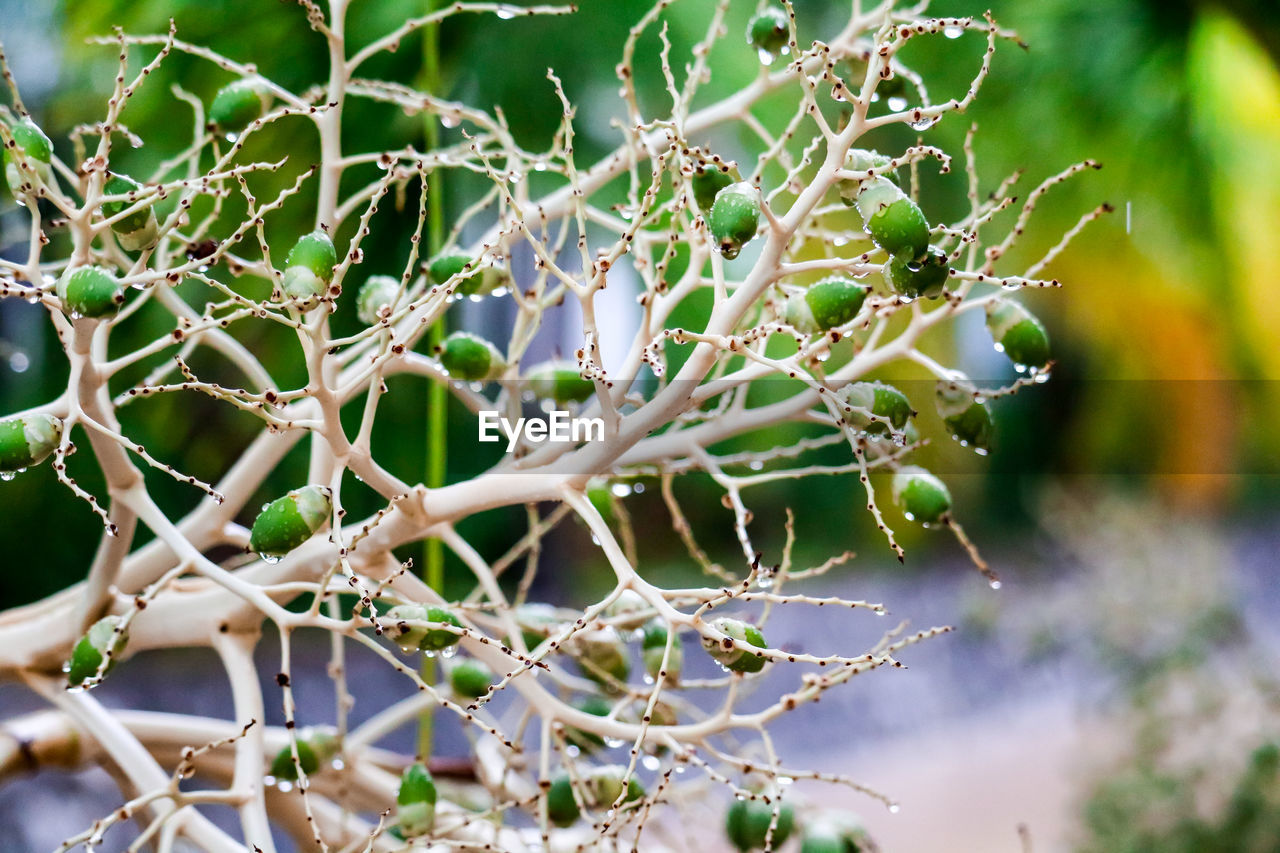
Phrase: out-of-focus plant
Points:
(819, 263)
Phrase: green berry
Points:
(27, 440)
(828, 835)
(537, 622)
(440, 638)
(308, 268)
(747, 824)
(922, 278)
(884, 401)
(139, 229)
(600, 788)
(602, 655)
(708, 180)
(654, 646)
(560, 381)
(450, 263)
(589, 741)
(31, 147)
(768, 31)
(471, 358)
(922, 496)
(861, 160)
(377, 293)
(399, 623)
(965, 418)
(287, 522)
(103, 639)
(732, 657)
(562, 809)
(239, 103)
(734, 218)
(470, 678)
(283, 766)
(416, 801)
(893, 220)
(1018, 334)
(829, 303)
(90, 292)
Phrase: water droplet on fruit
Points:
(953, 32)
(897, 103)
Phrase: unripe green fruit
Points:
(139, 229)
(893, 220)
(734, 218)
(101, 641)
(589, 741)
(827, 836)
(90, 292)
(966, 419)
(602, 653)
(32, 147)
(239, 103)
(861, 160)
(883, 401)
(416, 801)
(919, 278)
(308, 268)
(707, 181)
(537, 622)
(747, 824)
(733, 658)
(377, 293)
(27, 441)
(768, 30)
(471, 358)
(287, 522)
(470, 678)
(628, 611)
(562, 809)
(449, 263)
(654, 646)
(440, 638)
(560, 381)
(1018, 334)
(601, 787)
(922, 496)
(283, 767)
(395, 623)
(829, 303)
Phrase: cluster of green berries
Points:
(747, 824)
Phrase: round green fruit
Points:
(919, 278)
(922, 496)
(602, 655)
(416, 801)
(560, 381)
(283, 766)
(139, 230)
(862, 160)
(450, 263)
(30, 147)
(708, 180)
(596, 706)
(829, 303)
(377, 294)
(27, 440)
(890, 406)
(237, 104)
(90, 292)
(893, 220)
(966, 419)
(104, 639)
(747, 824)
(1018, 333)
(436, 639)
(470, 678)
(654, 646)
(768, 31)
(734, 218)
(471, 358)
(287, 522)
(732, 657)
(308, 268)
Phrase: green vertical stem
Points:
(437, 398)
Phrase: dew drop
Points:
(894, 808)
(924, 123)
(766, 57)
(448, 652)
(953, 32)
(450, 121)
(337, 764)
(756, 465)
(897, 103)
(284, 787)
(8, 476)
(620, 490)
(995, 584)
(651, 763)
(231, 137)
(613, 742)
(19, 362)
(269, 559)
(506, 13)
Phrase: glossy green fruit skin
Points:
(734, 218)
(923, 497)
(603, 653)
(893, 220)
(282, 766)
(597, 706)
(416, 801)
(862, 160)
(139, 230)
(436, 639)
(919, 278)
(654, 645)
(378, 292)
(826, 304)
(600, 788)
(395, 622)
(883, 401)
(91, 292)
(470, 678)
(470, 357)
(32, 146)
(562, 809)
(561, 382)
(747, 824)
(824, 841)
(308, 268)
(87, 655)
(707, 181)
(735, 659)
(966, 420)
(237, 104)
(768, 30)
(28, 440)
(287, 522)
(1018, 333)
(447, 264)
